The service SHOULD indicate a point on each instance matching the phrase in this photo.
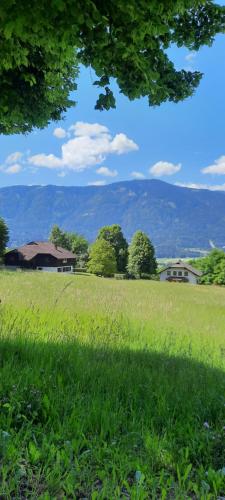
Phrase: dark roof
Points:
(180, 264)
(43, 247)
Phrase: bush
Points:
(146, 276)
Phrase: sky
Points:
(182, 143)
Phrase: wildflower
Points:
(206, 425)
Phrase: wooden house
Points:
(43, 256)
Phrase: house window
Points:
(64, 269)
(174, 273)
(179, 273)
(185, 273)
(168, 273)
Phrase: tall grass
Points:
(111, 389)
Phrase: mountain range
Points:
(180, 221)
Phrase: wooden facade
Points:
(41, 256)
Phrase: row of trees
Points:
(110, 253)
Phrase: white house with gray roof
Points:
(181, 272)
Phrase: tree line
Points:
(110, 253)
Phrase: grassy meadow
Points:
(111, 389)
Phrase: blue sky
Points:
(180, 143)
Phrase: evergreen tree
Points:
(114, 235)
(102, 259)
(4, 237)
(141, 257)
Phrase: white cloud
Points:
(192, 185)
(97, 183)
(121, 144)
(13, 169)
(90, 146)
(62, 174)
(59, 132)
(190, 57)
(218, 167)
(81, 129)
(218, 187)
(137, 175)
(162, 168)
(13, 158)
(106, 171)
(48, 161)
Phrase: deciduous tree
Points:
(78, 243)
(102, 259)
(114, 235)
(212, 267)
(141, 257)
(41, 46)
(58, 237)
(74, 242)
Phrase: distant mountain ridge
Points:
(178, 220)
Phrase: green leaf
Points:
(34, 453)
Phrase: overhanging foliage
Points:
(42, 43)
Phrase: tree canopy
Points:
(212, 267)
(41, 48)
(74, 242)
(141, 259)
(4, 237)
(102, 258)
(114, 235)
(58, 237)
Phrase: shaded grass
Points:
(101, 397)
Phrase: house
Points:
(181, 272)
(40, 255)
